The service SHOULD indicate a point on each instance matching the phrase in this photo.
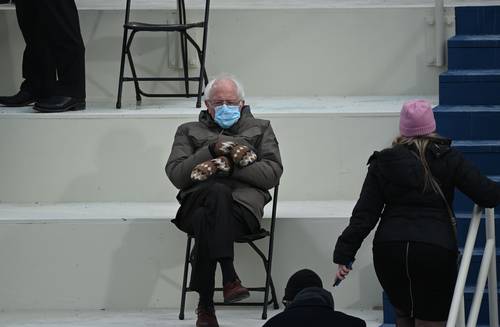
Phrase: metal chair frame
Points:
(182, 28)
(249, 239)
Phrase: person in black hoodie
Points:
(410, 187)
(307, 303)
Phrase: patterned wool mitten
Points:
(204, 170)
(224, 165)
(222, 148)
(243, 155)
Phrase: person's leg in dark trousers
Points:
(39, 71)
(60, 19)
(216, 221)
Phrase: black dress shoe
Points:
(21, 99)
(59, 103)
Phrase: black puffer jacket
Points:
(393, 191)
(313, 306)
(250, 184)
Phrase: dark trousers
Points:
(215, 220)
(54, 57)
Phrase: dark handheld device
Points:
(337, 281)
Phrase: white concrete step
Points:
(128, 256)
(108, 155)
(11, 213)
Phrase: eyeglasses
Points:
(218, 103)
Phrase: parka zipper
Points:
(409, 278)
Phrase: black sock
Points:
(228, 272)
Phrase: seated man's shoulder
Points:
(256, 122)
(192, 125)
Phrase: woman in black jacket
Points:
(415, 248)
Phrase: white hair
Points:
(224, 77)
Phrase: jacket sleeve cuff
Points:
(342, 260)
(211, 148)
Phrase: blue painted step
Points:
(483, 312)
(463, 203)
(470, 87)
(463, 222)
(484, 153)
(389, 315)
(483, 319)
(475, 264)
(474, 52)
(477, 20)
(468, 122)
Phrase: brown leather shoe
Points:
(234, 292)
(206, 317)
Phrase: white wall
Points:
(123, 159)
(138, 265)
(377, 51)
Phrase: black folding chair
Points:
(267, 261)
(182, 28)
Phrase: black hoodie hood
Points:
(401, 166)
(312, 297)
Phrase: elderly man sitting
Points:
(224, 164)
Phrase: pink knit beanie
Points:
(416, 118)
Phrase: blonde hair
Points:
(421, 143)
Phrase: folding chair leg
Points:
(266, 296)
(122, 67)
(276, 306)
(132, 68)
(203, 55)
(184, 52)
(184, 279)
(181, 9)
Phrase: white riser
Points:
(138, 265)
(91, 158)
(275, 52)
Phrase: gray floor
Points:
(151, 318)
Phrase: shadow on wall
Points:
(9, 79)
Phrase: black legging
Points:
(419, 278)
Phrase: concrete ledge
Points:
(276, 4)
(96, 212)
(261, 106)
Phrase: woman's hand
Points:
(342, 272)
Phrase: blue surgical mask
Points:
(226, 116)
